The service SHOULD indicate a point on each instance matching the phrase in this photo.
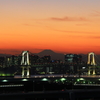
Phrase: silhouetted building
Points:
(47, 58)
(2, 61)
(34, 59)
(14, 60)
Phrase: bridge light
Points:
(44, 79)
(84, 81)
(81, 79)
(4, 80)
(24, 79)
(3, 74)
(62, 79)
(90, 82)
(78, 80)
(56, 80)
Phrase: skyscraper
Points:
(73, 61)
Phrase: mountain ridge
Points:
(54, 55)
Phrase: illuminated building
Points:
(73, 60)
(14, 60)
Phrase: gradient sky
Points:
(66, 26)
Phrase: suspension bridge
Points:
(92, 62)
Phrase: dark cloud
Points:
(95, 14)
(69, 19)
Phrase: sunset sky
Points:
(65, 26)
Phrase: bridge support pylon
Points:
(25, 64)
(91, 63)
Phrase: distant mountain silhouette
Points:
(58, 56)
(54, 55)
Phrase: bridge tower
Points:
(25, 64)
(91, 62)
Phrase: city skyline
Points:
(60, 25)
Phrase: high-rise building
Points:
(2, 61)
(34, 59)
(73, 61)
(73, 58)
(47, 58)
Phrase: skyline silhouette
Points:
(54, 55)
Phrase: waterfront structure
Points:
(25, 64)
(91, 62)
(61, 88)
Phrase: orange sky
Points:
(66, 26)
